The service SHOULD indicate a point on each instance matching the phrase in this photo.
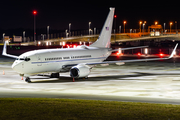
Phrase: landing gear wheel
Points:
(28, 80)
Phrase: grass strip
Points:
(58, 109)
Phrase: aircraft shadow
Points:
(64, 79)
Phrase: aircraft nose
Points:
(15, 67)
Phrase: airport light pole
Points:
(66, 33)
(140, 26)
(35, 12)
(91, 31)
(89, 27)
(43, 36)
(94, 31)
(143, 29)
(164, 26)
(3, 36)
(124, 26)
(170, 26)
(24, 36)
(176, 26)
(119, 29)
(47, 32)
(144, 26)
(114, 35)
(69, 29)
(115, 16)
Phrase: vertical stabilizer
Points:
(104, 39)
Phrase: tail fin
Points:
(104, 39)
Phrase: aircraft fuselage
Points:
(54, 60)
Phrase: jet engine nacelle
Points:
(79, 71)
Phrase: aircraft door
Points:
(38, 60)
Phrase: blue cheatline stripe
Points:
(67, 60)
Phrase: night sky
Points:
(58, 14)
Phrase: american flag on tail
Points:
(107, 28)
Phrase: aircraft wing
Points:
(129, 48)
(136, 60)
(5, 52)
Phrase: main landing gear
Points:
(54, 75)
(79, 78)
(28, 80)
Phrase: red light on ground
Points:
(34, 12)
(119, 53)
(74, 46)
(139, 54)
(115, 16)
(161, 54)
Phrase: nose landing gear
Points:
(28, 80)
(54, 75)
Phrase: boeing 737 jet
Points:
(78, 61)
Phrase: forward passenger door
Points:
(39, 61)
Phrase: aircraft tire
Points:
(28, 80)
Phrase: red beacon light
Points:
(118, 53)
(34, 12)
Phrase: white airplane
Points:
(78, 61)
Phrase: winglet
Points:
(173, 51)
(4, 52)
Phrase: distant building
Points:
(17, 38)
(155, 30)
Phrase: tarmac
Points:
(153, 82)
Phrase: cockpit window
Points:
(25, 59)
